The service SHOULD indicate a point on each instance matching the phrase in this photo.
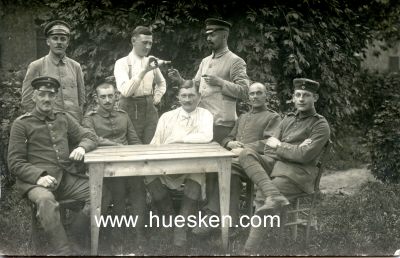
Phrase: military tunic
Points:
(253, 128)
(71, 95)
(295, 162)
(221, 101)
(39, 145)
(113, 128)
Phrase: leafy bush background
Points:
(321, 39)
(384, 136)
(316, 39)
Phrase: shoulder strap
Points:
(153, 85)
(128, 60)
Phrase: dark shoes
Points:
(202, 230)
(273, 202)
(256, 236)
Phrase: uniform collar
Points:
(258, 110)
(104, 113)
(41, 116)
(306, 114)
(220, 53)
(55, 59)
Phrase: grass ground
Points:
(364, 223)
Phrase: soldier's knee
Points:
(246, 155)
(157, 190)
(192, 189)
(47, 203)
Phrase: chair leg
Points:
(250, 195)
(295, 219)
(306, 240)
(34, 230)
(283, 221)
(310, 219)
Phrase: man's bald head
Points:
(257, 95)
(259, 85)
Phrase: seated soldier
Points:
(250, 131)
(38, 155)
(114, 127)
(186, 124)
(288, 165)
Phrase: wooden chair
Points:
(299, 212)
(302, 208)
(65, 205)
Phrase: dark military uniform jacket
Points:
(39, 146)
(253, 128)
(295, 162)
(113, 128)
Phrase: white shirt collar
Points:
(133, 56)
(183, 113)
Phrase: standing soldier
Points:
(135, 75)
(223, 81)
(71, 95)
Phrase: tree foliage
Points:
(384, 135)
(318, 39)
(314, 39)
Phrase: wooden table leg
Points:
(96, 172)
(224, 179)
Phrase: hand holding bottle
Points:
(156, 62)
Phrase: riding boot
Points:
(189, 206)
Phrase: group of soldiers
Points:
(278, 155)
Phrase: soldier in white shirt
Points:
(134, 75)
(186, 124)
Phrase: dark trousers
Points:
(117, 190)
(212, 187)
(143, 115)
(252, 161)
(48, 214)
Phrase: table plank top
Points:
(156, 152)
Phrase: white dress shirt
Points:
(178, 126)
(131, 85)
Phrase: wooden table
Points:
(145, 160)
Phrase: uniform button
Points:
(57, 151)
(54, 145)
(58, 157)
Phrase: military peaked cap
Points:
(46, 83)
(213, 24)
(57, 27)
(306, 84)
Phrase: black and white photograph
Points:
(199, 128)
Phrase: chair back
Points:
(322, 158)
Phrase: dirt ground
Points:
(345, 182)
